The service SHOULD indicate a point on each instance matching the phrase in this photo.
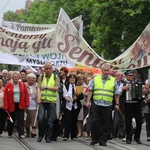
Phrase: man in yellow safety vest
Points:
(48, 85)
(102, 90)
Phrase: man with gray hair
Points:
(48, 85)
(118, 120)
(102, 88)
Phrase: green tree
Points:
(115, 25)
(46, 13)
(12, 16)
(109, 26)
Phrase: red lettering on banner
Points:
(78, 53)
(131, 66)
(139, 63)
(96, 63)
(114, 63)
(131, 60)
(75, 50)
(23, 36)
(45, 43)
(89, 59)
(121, 61)
(145, 60)
(67, 46)
(10, 43)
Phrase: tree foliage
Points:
(11, 16)
(109, 26)
(115, 25)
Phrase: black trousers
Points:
(133, 110)
(119, 124)
(101, 120)
(17, 115)
(3, 117)
(61, 126)
(70, 122)
(56, 129)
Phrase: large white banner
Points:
(137, 55)
(27, 27)
(75, 48)
(72, 45)
(19, 38)
(17, 42)
(57, 59)
(67, 40)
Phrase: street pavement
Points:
(13, 143)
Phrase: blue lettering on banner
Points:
(53, 56)
(43, 56)
(42, 62)
(21, 60)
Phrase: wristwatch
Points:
(117, 104)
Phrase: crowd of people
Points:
(56, 103)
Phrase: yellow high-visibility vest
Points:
(102, 91)
(46, 94)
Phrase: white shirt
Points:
(69, 94)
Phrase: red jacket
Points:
(9, 97)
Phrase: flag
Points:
(87, 90)
(86, 119)
(9, 117)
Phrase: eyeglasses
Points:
(48, 68)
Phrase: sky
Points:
(10, 5)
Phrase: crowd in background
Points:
(48, 104)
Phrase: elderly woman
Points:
(16, 101)
(31, 111)
(3, 114)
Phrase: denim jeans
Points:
(46, 115)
